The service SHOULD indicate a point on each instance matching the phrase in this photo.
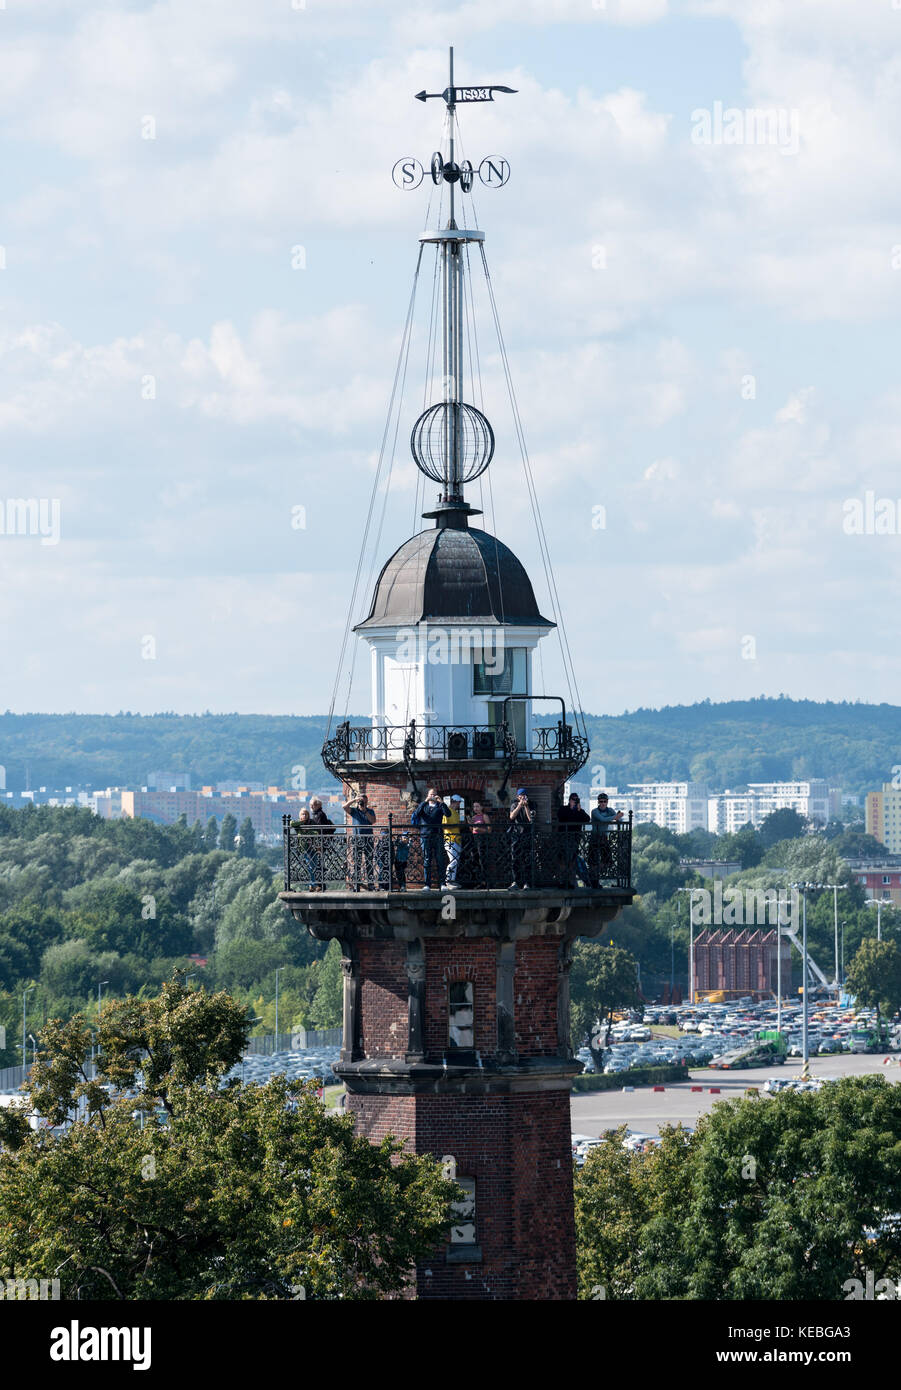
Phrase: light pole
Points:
(805, 1052)
(672, 959)
(25, 993)
(805, 1042)
(778, 972)
(277, 973)
(843, 955)
(879, 904)
(100, 983)
(34, 1048)
(691, 948)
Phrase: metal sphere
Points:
(432, 435)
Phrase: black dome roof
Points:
(453, 575)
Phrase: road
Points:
(646, 1110)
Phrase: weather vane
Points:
(493, 171)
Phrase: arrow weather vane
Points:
(493, 171)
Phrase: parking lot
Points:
(646, 1111)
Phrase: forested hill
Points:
(854, 745)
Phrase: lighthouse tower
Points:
(456, 995)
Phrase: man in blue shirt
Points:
(430, 816)
(362, 817)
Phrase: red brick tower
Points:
(456, 995)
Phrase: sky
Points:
(205, 269)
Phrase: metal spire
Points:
(452, 442)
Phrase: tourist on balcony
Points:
(307, 842)
(602, 817)
(324, 827)
(453, 842)
(401, 855)
(571, 818)
(480, 828)
(429, 817)
(520, 829)
(362, 818)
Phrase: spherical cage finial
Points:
(432, 441)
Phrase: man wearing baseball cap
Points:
(520, 840)
(602, 817)
(453, 844)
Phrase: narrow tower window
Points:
(460, 1015)
(463, 1231)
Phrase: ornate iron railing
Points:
(412, 743)
(398, 857)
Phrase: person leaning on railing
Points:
(571, 818)
(602, 817)
(307, 842)
(480, 828)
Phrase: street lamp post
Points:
(805, 1048)
(778, 974)
(843, 955)
(691, 948)
(25, 994)
(672, 958)
(879, 904)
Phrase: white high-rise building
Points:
(678, 806)
(728, 811)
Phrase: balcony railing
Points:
(396, 858)
(412, 743)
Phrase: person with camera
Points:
(520, 830)
(429, 817)
(362, 818)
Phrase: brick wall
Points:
(390, 792)
(535, 997)
(518, 1150)
(383, 998)
(460, 959)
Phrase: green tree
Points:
(328, 1001)
(785, 1197)
(785, 824)
(247, 840)
(874, 977)
(197, 842)
(211, 834)
(227, 1192)
(602, 979)
(744, 845)
(228, 832)
(617, 1193)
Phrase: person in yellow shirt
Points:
(453, 842)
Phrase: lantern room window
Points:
(504, 675)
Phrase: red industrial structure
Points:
(740, 963)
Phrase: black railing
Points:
(453, 742)
(395, 858)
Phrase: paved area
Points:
(646, 1110)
